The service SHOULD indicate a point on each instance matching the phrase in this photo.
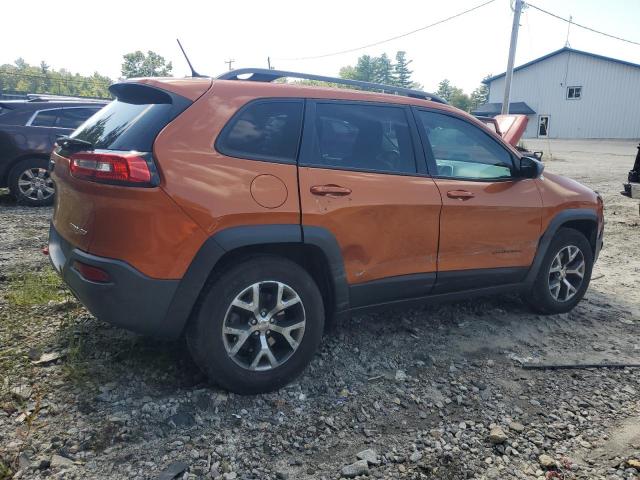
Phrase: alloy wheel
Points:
(35, 184)
(566, 273)
(264, 325)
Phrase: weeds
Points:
(5, 472)
(35, 288)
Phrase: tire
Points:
(31, 170)
(542, 297)
(212, 350)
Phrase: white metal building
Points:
(572, 94)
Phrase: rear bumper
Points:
(130, 300)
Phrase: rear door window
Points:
(74, 117)
(362, 137)
(264, 130)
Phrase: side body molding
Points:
(554, 225)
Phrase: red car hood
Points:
(512, 127)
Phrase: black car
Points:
(28, 130)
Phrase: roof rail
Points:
(48, 97)
(267, 75)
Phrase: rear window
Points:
(125, 126)
(264, 130)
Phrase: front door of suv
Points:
(359, 181)
(491, 219)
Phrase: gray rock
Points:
(369, 455)
(361, 467)
(21, 392)
(497, 436)
(516, 427)
(401, 376)
(546, 461)
(58, 461)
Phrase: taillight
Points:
(116, 168)
(91, 273)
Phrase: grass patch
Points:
(35, 288)
(5, 471)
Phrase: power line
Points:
(570, 21)
(90, 80)
(350, 50)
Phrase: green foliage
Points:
(139, 64)
(401, 70)
(454, 95)
(381, 70)
(24, 78)
(480, 95)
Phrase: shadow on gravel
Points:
(101, 354)
(6, 200)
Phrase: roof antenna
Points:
(193, 72)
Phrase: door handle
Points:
(330, 190)
(460, 194)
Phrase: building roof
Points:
(557, 52)
(492, 109)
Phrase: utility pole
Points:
(269, 62)
(567, 44)
(229, 62)
(512, 56)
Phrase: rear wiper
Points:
(70, 144)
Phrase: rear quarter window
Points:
(45, 118)
(264, 130)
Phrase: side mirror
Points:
(530, 167)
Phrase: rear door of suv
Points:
(362, 178)
(491, 218)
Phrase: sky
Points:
(87, 36)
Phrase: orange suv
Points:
(247, 214)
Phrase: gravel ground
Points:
(437, 392)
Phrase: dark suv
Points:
(28, 130)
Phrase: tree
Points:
(20, 77)
(454, 95)
(381, 70)
(138, 64)
(480, 95)
(401, 71)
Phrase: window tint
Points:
(46, 118)
(462, 150)
(74, 117)
(362, 137)
(264, 130)
(126, 126)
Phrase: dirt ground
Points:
(437, 392)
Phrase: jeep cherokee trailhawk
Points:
(247, 213)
